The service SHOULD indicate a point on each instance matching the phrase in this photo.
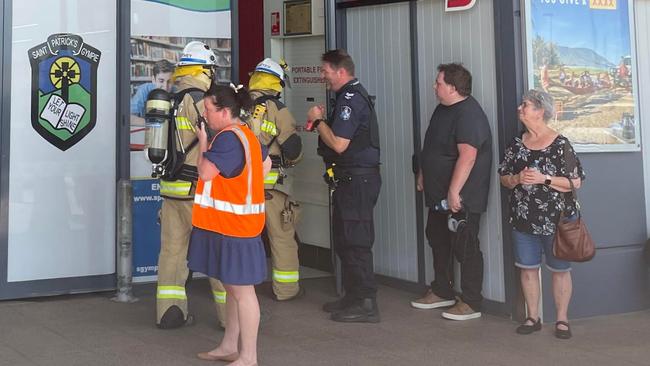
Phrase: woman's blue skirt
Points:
(233, 261)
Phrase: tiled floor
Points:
(92, 330)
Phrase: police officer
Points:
(349, 144)
(192, 77)
(275, 127)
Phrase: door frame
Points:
(338, 35)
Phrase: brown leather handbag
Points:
(572, 241)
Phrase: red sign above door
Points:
(455, 5)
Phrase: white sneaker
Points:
(461, 311)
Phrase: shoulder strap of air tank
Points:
(274, 98)
(196, 94)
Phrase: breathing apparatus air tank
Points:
(157, 119)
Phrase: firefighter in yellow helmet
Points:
(275, 127)
(192, 77)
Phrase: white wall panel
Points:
(378, 40)
(309, 188)
(62, 203)
(467, 37)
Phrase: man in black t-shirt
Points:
(455, 169)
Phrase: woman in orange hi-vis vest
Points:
(228, 218)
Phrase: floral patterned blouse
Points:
(536, 208)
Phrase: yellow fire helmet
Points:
(269, 75)
(263, 81)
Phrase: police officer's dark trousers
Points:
(466, 252)
(354, 233)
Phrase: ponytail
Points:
(235, 98)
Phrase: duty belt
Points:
(334, 174)
(342, 170)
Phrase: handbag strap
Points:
(568, 157)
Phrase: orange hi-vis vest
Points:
(234, 206)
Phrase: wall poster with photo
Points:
(160, 29)
(153, 59)
(582, 53)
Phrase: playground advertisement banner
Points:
(581, 52)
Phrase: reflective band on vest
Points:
(285, 276)
(171, 292)
(183, 123)
(177, 188)
(207, 201)
(219, 297)
(272, 177)
(234, 206)
(269, 127)
(228, 206)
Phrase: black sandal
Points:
(527, 329)
(562, 333)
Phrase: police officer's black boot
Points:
(173, 318)
(338, 305)
(363, 311)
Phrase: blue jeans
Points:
(529, 249)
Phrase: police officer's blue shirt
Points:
(351, 114)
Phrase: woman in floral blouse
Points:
(534, 167)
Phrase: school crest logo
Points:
(64, 89)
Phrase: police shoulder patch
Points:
(348, 96)
(346, 112)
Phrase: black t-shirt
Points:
(460, 123)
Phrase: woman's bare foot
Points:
(242, 362)
(219, 354)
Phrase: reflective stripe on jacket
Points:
(178, 188)
(271, 178)
(234, 206)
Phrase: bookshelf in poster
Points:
(146, 50)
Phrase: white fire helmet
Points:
(270, 67)
(197, 53)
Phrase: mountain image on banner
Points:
(586, 57)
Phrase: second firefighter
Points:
(275, 127)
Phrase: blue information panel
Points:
(146, 229)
